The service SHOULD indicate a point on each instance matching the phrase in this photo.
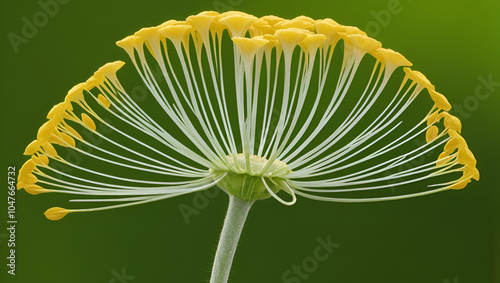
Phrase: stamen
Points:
(297, 125)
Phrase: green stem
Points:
(231, 231)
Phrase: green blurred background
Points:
(447, 237)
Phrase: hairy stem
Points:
(231, 231)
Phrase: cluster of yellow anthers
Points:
(250, 150)
(455, 150)
(56, 130)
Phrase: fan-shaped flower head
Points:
(261, 107)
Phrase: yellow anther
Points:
(73, 131)
(466, 157)
(232, 13)
(36, 159)
(471, 173)
(299, 24)
(57, 111)
(459, 185)
(363, 43)
(177, 34)
(56, 213)
(442, 159)
(130, 42)
(249, 46)
(27, 167)
(56, 139)
(455, 142)
(105, 102)
(35, 189)
(33, 147)
(217, 29)
(304, 18)
(273, 43)
(354, 30)
(202, 25)
(110, 69)
(88, 121)
(168, 23)
(390, 57)
(44, 159)
(331, 31)
(149, 33)
(418, 78)
(289, 38)
(434, 117)
(68, 140)
(451, 122)
(152, 39)
(328, 20)
(92, 82)
(272, 39)
(27, 179)
(238, 25)
(440, 100)
(260, 27)
(208, 13)
(99, 76)
(75, 94)
(40, 160)
(312, 42)
(25, 173)
(46, 130)
(272, 20)
(202, 22)
(69, 107)
(454, 134)
(21, 185)
(451, 145)
(49, 149)
(431, 134)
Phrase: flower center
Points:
(255, 181)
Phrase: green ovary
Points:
(249, 186)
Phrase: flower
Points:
(276, 122)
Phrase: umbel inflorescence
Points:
(259, 107)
